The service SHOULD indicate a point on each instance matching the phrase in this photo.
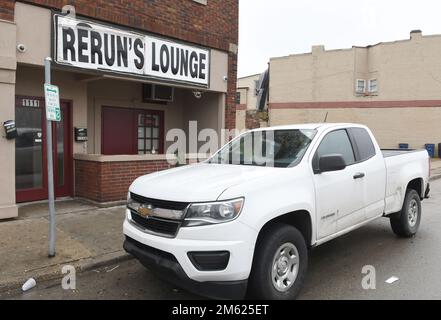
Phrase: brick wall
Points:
(213, 25)
(230, 109)
(110, 181)
(7, 9)
(255, 119)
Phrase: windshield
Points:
(270, 148)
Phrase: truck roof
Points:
(311, 126)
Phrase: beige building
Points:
(247, 115)
(123, 85)
(393, 87)
(246, 91)
(246, 99)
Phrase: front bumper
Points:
(167, 267)
(234, 237)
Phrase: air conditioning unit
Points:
(157, 93)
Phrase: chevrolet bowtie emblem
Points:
(145, 210)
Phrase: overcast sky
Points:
(272, 28)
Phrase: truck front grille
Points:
(163, 204)
(168, 228)
(159, 225)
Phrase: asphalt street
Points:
(335, 268)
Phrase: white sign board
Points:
(89, 45)
(52, 98)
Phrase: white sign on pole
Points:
(52, 97)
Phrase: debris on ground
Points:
(29, 284)
(392, 280)
(110, 270)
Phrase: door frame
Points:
(28, 195)
(67, 189)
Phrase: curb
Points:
(435, 177)
(104, 261)
(54, 272)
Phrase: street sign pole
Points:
(50, 167)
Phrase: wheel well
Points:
(301, 220)
(417, 185)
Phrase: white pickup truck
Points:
(238, 224)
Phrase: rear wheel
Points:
(406, 222)
(279, 265)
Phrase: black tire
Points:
(401, 223)
(260, 283)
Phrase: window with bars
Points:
(149, 132)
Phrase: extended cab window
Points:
(335, 142)
(271, 148)
(365, 146)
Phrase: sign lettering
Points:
(88, 45)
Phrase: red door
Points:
(30, 150)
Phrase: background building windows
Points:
(360, 86)
(373, 85)
(237, 97)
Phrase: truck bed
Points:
(396, 152)
(402, 166)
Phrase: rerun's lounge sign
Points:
(88, 45)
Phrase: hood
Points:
(196, 183)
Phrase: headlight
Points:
(199, 214)
(132, 204)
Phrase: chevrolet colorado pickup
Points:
(224, 228)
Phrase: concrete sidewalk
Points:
(87, 237)
(436, 169)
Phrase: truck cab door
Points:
(371, 164)
(338, 194)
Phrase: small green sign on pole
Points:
(52, 98)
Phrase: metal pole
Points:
(50, 168)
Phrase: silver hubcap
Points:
(285, 267)
(412, 214)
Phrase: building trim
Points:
(356, 104)
(241, 106)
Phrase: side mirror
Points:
(331, 162)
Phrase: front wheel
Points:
(406, 222)
(280, 263)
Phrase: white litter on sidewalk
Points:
(28, 285)
(392, 280)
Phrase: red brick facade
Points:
(214, 25)
(7, 10)
(252, 121)
(109, 181)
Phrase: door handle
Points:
(359, 175)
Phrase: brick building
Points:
(128, 72)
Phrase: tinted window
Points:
(364, 143)
(336, 142)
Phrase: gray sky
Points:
(272, 28)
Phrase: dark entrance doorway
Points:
(30, 150)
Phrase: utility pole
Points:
(50, 165)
